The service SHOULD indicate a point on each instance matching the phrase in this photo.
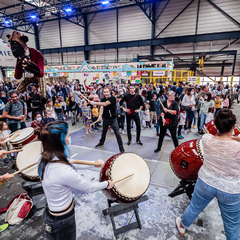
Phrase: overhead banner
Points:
(86, 74)
(158, 73)
(192, 80)
(6, 57)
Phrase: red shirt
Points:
(37, 58)
(35, 124)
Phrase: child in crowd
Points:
(48, 117)
(153, 114)
(64, 107)
(120, 113)
(182, 121)
(38, 121)
(67, 105)
(58, 109)
(225, 101)
(95, 115)
(217, 103)
(4, 131)
(146, 116)
(73, 110)
(87, 117)
(49, 107)
(210, 115)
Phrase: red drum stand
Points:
(122, 208)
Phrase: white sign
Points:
(192, 79)
(158, 73)
(6, 57)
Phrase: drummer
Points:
(218, 177)
(59, 177)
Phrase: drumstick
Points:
(93, 123)
(11, 138)
(161, 103)
(25, 168)
(22, 170)
(84, 162)
(83, 96)
(13, 151)
(11, 134)
(116, 181)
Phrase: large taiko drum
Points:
(25, 136)
(210, 127)
(132, 188)
(30, 154)
(186, 159)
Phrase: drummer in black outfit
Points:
(134, 104)
(168, 119)
(108, 112)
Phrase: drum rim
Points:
(200, 152)
(114, 188)
(18, 143)
(23, 175)
(32, 133)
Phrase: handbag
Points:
(19, 209)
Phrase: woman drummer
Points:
(168, 119)
(58, 179)
(218, 177)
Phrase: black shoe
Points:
(73, 124)
(13, 158)
(157, 150)
(6, 160)
(99, 145)
(129, 142)
(139, 142)
(122, 151)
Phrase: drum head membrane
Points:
(30, 154)
(127, 164)
(23, 134)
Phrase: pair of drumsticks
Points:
(71, 161)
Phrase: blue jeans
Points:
(59, 115)
(195, 117)
(121, 121)
(229, 205)
(202, 120)
(189, 115)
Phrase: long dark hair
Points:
(53, 140)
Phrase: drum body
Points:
(186, 159)
(31, 153)
(132, 188)
(210, 127)
(26, 136)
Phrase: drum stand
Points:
(34, 189)
(183, 187)
(122, 208)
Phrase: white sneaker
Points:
(180, 229)
(190, 130)
(186, 131)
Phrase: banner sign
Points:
(158, 73)
(86, 74)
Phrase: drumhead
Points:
(30, 154)
(200, 149)
(23, 134)
(126, 164)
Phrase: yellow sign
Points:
(198, 80)
(114, 74)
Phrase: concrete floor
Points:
(157, 214)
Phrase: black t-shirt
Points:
(109, 111)
(171, 120)
(133, 102)
(36, 101)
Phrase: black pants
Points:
(14, 126)
(114, 125)
(179, 130)
(173, 132)
(60, 228)
(136, 119)
(121, 122)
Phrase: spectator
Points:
(15, 112)
(38, 121)
(48, 117)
